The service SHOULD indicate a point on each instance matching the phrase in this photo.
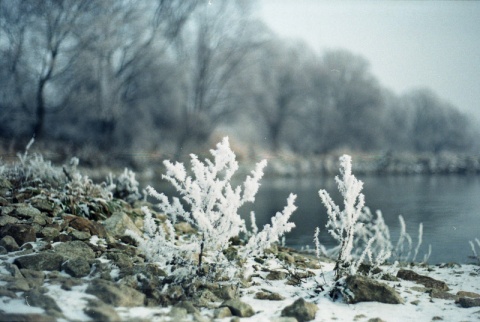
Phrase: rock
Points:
(27, 212)
(205, 298)
(6, 219)
(21, 233)
(436, 294)
(177, 313)
(42, 204)
(77, 267)
(184, 228)
(121, 260)
(85, 225)
(429, 282)
(40, 262)
(35, 298)
(187, 305)
(467, 302)
(375, 320)
(268, 296)
(27, 317)
(226, 292)
(7, 293)
(9, 243)
(238, 308)
(276, 275)
(18, 285)
(3, 250)
(114, 294)
(12, 269)
(286, 257)
(222, 312)
(118, 223)
(301, 310)
(365, 289)
(34, 278)
(99, 311)
(75, 249)
(80, 235)
(49, 233)
(467, 294)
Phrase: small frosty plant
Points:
(124, 186)
(212, 203)
(353, 227)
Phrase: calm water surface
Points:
(448, 207)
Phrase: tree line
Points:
(165, 75)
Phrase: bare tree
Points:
(215, 45)
(282, 89)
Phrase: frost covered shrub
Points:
(358, 235)
(210, 204)
(475, 255)
(125, 186)
(361, 236)
(34, 169)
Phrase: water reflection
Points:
(448, 206)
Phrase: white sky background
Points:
(409, 44)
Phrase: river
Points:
(447, 205)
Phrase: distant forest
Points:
(166, 75)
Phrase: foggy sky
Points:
(409, 44)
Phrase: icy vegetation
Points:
(210, 204)
(361, 237)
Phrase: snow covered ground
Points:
(419, 305)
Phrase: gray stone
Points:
(6, 219)
(467, 302)
(365, 289)
(99, 311)
(75, 249)
(28, 317)
(467, 294)
(7, 293)
(12, 269)
(49, 233)
(21, 233)
(41, 261)
(120, 259)
(205, 298)
(3, 250)
(177, 313)
(9, 243)
(226, 292)
(268, 296)
(301, 310)
(80, 235)
(37, 299)
(27, 212)
(276, 275)
(436, 294)
(238, 308)
(429, 282)
(77, 267)
(118, 223)
(18, 285)
(187, 305)
(114, 294)
(222, 312)
(34, 278)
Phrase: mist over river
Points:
(447, 205)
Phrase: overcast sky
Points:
(409, 44)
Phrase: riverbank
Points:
(64, 256)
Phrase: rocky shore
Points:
(65, 256)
